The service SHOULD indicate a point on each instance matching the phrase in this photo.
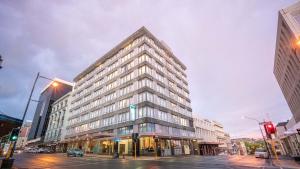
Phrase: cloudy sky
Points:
(227, 46)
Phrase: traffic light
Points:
(135, 137)
(270, 129)
(14, 134)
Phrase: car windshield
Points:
(260, 150)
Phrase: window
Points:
(161, 101)
(145, 82)
(123, 117)
(127, 77)
(147, 127)
(126, 90)
(145, 96)
(145, 69)
(111, 85)
(125, 102)
(125, 130)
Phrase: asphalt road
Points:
(61, 161)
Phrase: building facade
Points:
(288, 138)
(23, 135)
(142, 73)
(41, 117)
(211, 138)
(287, 73)
(57, 124)
(287, 57)
(221, 136)
(206, 137)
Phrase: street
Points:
(56, 161)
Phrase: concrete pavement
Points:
(57, 161)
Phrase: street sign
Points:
(132, 109)
(132, 106)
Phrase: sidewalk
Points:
(129, 157)
(286, 163)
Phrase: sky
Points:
(227, 46)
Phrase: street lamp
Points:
(262, 134)
(1, 60)
(297, 42)
(54, 84)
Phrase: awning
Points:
(34, 140)
(292, 130)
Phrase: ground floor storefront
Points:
(208, 149)
(145, 146)
(291, 145)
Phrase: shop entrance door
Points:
(122, 149)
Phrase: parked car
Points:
(261, 153)
(33, 150)
(18, 151)
(45, 150)
(75, 153)
(48, 150)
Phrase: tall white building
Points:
(287, 73)
(287, 57)
(143, 73)
(56, 129)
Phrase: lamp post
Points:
(1, 60)
(262, 134)
(54, 84)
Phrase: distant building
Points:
(229, 148)
(239, 147)
(56, 129)
(287, 57)
(41, 117)
(23, 135)
(7, 123)
(210, 137)
(206, 137)
(220, 134)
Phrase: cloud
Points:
(228, 48)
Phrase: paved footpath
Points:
(61, 161)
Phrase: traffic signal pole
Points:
(135, 150)
(266, 144)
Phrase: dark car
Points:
(75, 153)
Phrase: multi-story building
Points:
(143, 73)
(57, 124)
(205, 134)
(210, 136)
(220, 134)
(41, 117)
(287, 57)
(288, 138)
(23, 135)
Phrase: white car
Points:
(261, 153)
